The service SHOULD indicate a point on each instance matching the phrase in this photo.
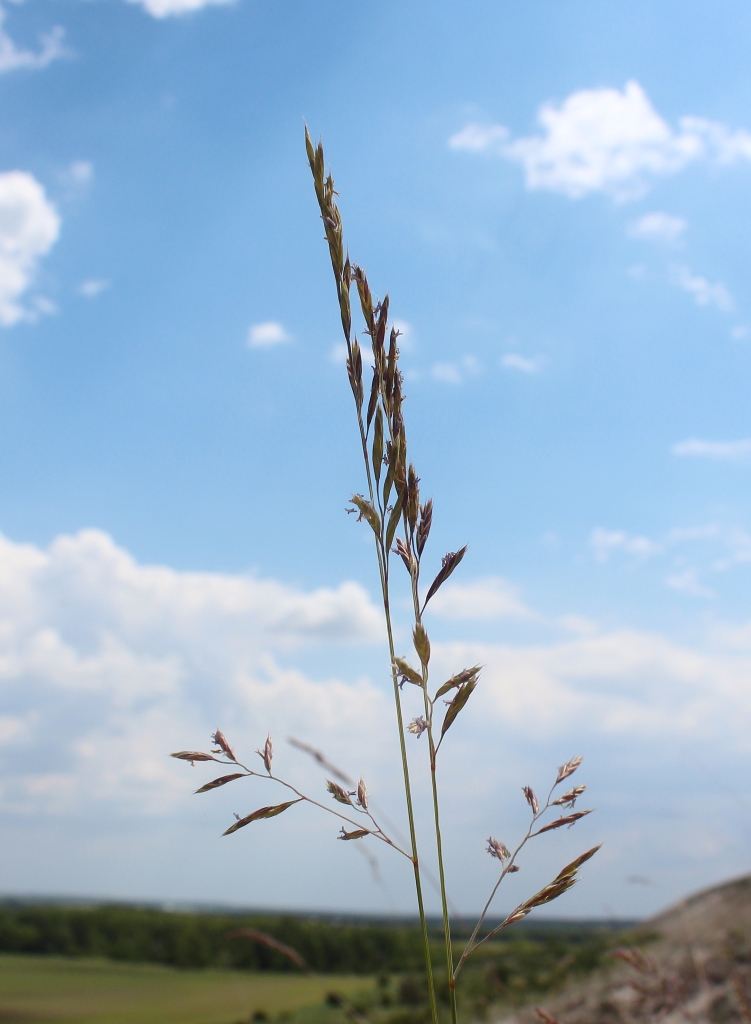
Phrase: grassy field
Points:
(61, 990)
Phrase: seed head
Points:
(224, 747)
(568, 769)
(267, 754)
(417, 726)
(339, 794)
(570, 798)
(497, 849)
(529, 793)
(362, 795)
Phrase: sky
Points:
(555, 195)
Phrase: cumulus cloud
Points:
(456, 373)
(107, 663)
(29, 227)
(704, 292)
(605, 542)
(490, 598)
(514, 361)
(267, 334)
(12, 57)
(721, 451)
(605, 140)
(168, 8)
(658, 227)
(621, 683)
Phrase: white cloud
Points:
(704, 292)
(606, 541)
(168, 8)
(12, 58)
(490, 598)
(29, 227)
(476, 138)
(722, 451)
(658, 227)
(626, 682)
(456, 373)
(267, 334)
(687, 582)
(93, 287)
(739, 332)
(108, 664)
(514, 361)
(604, 140)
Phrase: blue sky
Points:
(555, 195)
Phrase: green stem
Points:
(436, 817)
(383, 568)
(410, 813)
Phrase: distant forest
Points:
(201, 939)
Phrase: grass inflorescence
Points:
(391, 506)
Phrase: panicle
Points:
(417, 726)
(339, 794)
(497, 849)
(423, 527)
(568, 769)
(224, 747)
(531, 799)
(267, 754)
(362, 795)
(570, 798)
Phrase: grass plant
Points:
(391, 506)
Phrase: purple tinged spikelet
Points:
(362, 795)
(417, 726)
(529, 794)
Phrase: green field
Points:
(62, 990)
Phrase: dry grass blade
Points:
(262, 812)
(192, 755)
(271, 942)
(222, 781)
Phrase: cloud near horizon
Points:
(106, 665)
(721, 451)
(605, 140)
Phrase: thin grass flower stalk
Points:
(392, 503)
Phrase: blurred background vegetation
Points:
(116, 963)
